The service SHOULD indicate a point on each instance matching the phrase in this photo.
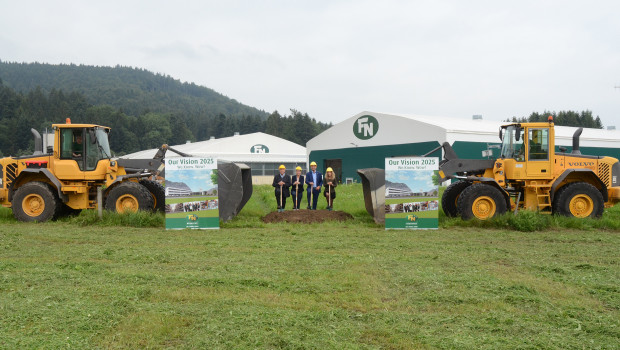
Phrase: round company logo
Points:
(365, 127)
(259, 149)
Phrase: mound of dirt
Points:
(306, 216)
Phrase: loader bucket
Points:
(234, 182)
(373, 184)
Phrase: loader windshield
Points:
(511, 148)
(102, 143)
(97, 147)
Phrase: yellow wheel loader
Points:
(66, 177)
(530, 175)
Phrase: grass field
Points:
(88, 283)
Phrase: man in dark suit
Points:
(281, 182)
(297, 188)
(314, 180)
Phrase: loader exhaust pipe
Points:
(576, 136)
(38, 142)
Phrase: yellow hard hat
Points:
(313, 163)
(329, 169)
(282, 167)
(298, 168)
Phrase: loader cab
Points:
(528, 150)
(79, 150)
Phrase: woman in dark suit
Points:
(281, 182)
(297, 188)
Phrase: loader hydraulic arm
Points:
(452, 164)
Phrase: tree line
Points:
(37, 109)
(133, 91)
(563, 118)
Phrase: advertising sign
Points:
(191, 193)
(411, 193)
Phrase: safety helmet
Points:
(329, 169)
(313, 163)
(282, 167)
(298, 168)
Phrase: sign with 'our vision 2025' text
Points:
(191, 193)
(411, 193)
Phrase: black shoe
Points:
(308, 208)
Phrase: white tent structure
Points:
(367, 138)
(264, 153)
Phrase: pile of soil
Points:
(306, 216)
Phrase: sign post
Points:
(192, 193)
(411, 193)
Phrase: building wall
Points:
(369, 157)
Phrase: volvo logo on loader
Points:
(365, 127)
(581, 164)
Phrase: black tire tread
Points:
(158, 192)
(563, 196)
(449, 197)
(142, 194)
(49, 195)
(476, 190)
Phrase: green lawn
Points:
(82, 283)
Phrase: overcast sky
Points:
(333, 59)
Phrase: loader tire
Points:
(450, 197)
(580, 200)
(36, 201)
(129, 197)
(481, 201)
(157, 192)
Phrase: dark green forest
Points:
(564, 118)
(143, 109)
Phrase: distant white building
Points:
(397, 189)
(176, 189)
(262, 152)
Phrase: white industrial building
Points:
(367, 138)
(262, 152)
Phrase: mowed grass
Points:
(84, 283)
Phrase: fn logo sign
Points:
(365, 127)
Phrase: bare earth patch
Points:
(306, 216)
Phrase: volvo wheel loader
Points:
(531, 175)
(65, 178)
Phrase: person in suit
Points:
(297, 188)
(314, 180)
(281, 182)
(330, 183)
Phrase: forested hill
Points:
(131, 90)
(144, 110)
